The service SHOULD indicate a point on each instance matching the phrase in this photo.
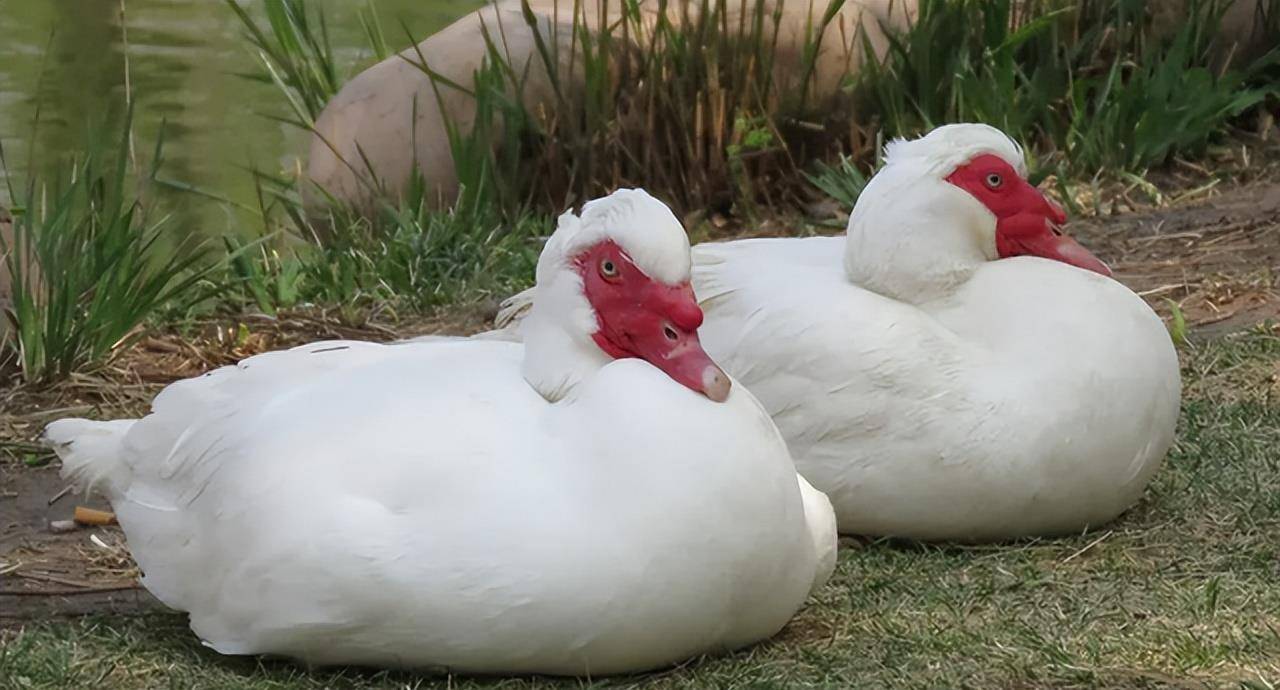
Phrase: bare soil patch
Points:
(48, 574)
(1218, 260)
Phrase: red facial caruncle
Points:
(1026, 220)
(642, 317)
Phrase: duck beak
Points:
(1047, 241)
(690, 366)
(1062, 248)
(659, 324)
(1036, 232)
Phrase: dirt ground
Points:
(1219, 261)
(1217, 258)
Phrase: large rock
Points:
(389, 116)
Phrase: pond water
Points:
(66, 60)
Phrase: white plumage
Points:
(421, 504)
(1037, 399)
(931, 390)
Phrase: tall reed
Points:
(1086, 85)
(87, 267)
(685, 98)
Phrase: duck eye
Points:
(994, 180)
(670, 333)
(608, 269)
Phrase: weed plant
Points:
(86, 265)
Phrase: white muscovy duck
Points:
(578, 504)
(954, 368)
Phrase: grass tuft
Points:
(843, 181)
(690, 107)
(86, 266)
(1085, 84)
(405, 255)
(403, 251)
(295, 53)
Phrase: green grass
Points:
(1180, 591)
(94, 264)
(842, 181)
(692, 112)
(696, 113)
(87, 269)
(1084, 84)
(404, 254)
(405, 251)
(297, 55)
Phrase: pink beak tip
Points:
(715, 384)
(1086, 260)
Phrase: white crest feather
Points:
(943, 149)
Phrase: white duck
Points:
(566, 506)
(955, 368)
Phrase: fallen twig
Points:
(58, 496)
(1088, 546)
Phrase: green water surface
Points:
(66, 60)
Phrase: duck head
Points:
(946, 203)
(614, 283)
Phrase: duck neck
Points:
(919, 250)
(559, 352)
